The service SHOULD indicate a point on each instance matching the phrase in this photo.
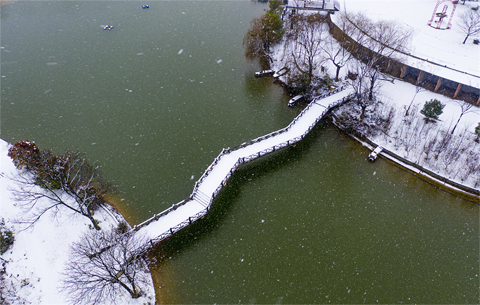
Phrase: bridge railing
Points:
(178, 227)
(243, 160)
(256, 155)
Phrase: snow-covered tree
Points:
(432, 109)
(264, 31)
(57, 175)
(308, 34)
(102, 264)
(477, 132)
(469, 23)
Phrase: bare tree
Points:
(336, 54)
(469, 23)
(68, 174)
(363, 86)
(382, 41)
(465, 108)
(418, 89)
(102, 264)
(339, 52)
(308, 36)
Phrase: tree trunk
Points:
(372, 85)
(456, 124)
(94, 222)
(370, 94)
(133, 293)
(337, 73)
(465, 39)
(362, 116)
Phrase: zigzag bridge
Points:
(163, 225)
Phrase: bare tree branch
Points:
(102, 264)
(469, 23)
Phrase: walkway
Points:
(180, 215)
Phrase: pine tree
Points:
(432, 109)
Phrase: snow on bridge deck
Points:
(180, 215)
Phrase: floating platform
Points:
(281, 72)
(294, 100)
(264, 72)
(374, 154)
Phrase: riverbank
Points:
(432, 178)
(439, 179)
(33, 266)
(446, 152)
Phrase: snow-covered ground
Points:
(441, 46)
(441, 51)
(409, 137)
(37, 258)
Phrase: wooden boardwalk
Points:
(162, 225)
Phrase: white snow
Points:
(443, 47)
(38, 255)
(219, 172)
(37, 258)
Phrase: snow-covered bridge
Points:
(178, 216)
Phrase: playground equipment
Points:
(447, 10)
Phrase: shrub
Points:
(25, 154)
(477, 132)
(274, 5)
(122, 227)
(264, 31)
(6, 238)
(432, 109)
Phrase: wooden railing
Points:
(205, 199)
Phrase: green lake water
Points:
(155, 100)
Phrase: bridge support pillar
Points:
(420, 78)
(439, 84)
(459, 88)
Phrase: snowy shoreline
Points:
(429, 176)
(436, 179)
(32, 268)
(400, 95)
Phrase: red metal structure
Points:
(450, 5)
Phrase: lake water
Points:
(154, 100)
